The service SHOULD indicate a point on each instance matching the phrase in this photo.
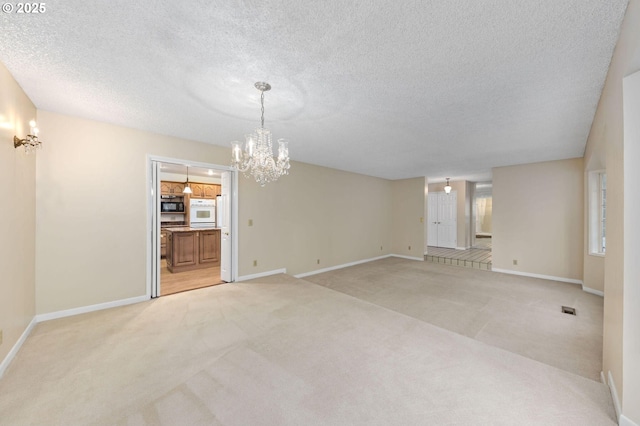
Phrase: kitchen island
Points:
(192, 248)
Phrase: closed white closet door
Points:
(447, 220)
(442, 226)
(432, 219)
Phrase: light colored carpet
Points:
(280, 351)
(520, 314)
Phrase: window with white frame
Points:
(597, 212)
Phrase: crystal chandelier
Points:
(257, 157)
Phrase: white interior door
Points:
(442, 220)
(432, 219)
(447, 220)
(225, 227)
(155, 230)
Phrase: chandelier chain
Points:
(262, 109)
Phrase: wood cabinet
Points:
(163, 244)
(205, 190)
(187, 250)
(209, 246)
(199, 190)
(211, 191)
(171, 188)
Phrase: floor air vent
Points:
(568, 310)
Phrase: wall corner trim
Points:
(90, 308)
(544, 277)
(16, 347)
(593, 291)
(261, 274)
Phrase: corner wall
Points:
(631, 321)
(607, 146)
(17, 215)
(537, 218)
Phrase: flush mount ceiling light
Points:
(187, 187)
(447, 188)
(31, 142)
(257, 157)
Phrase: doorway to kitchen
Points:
(192, 212)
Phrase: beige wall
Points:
(17, 215)
(463, 209)
(315, 213)
(631, 322)
(538, 218)
(90, 250)
(606, 147)
(408, 220)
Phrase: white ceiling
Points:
(385, 88)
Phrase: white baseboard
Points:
(90, 308)
(344, 265)
(614, 395)
(14, 350)
(463, 248)
(622, 419)
(421, 259)
(261, 274)
(593, 291)
(626, 421)
(544, 277)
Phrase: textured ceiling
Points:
(385, 88)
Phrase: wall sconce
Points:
(447, 188)
(31, 142)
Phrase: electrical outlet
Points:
(422, 220)
(318, 261)
(250, 222)
(515, 261)
(409, 247)
(255, 263)
(380, 247)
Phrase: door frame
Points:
(153, 224)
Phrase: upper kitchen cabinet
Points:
(197, 190)
(171, 188)
(205, 190)
(212, 191)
